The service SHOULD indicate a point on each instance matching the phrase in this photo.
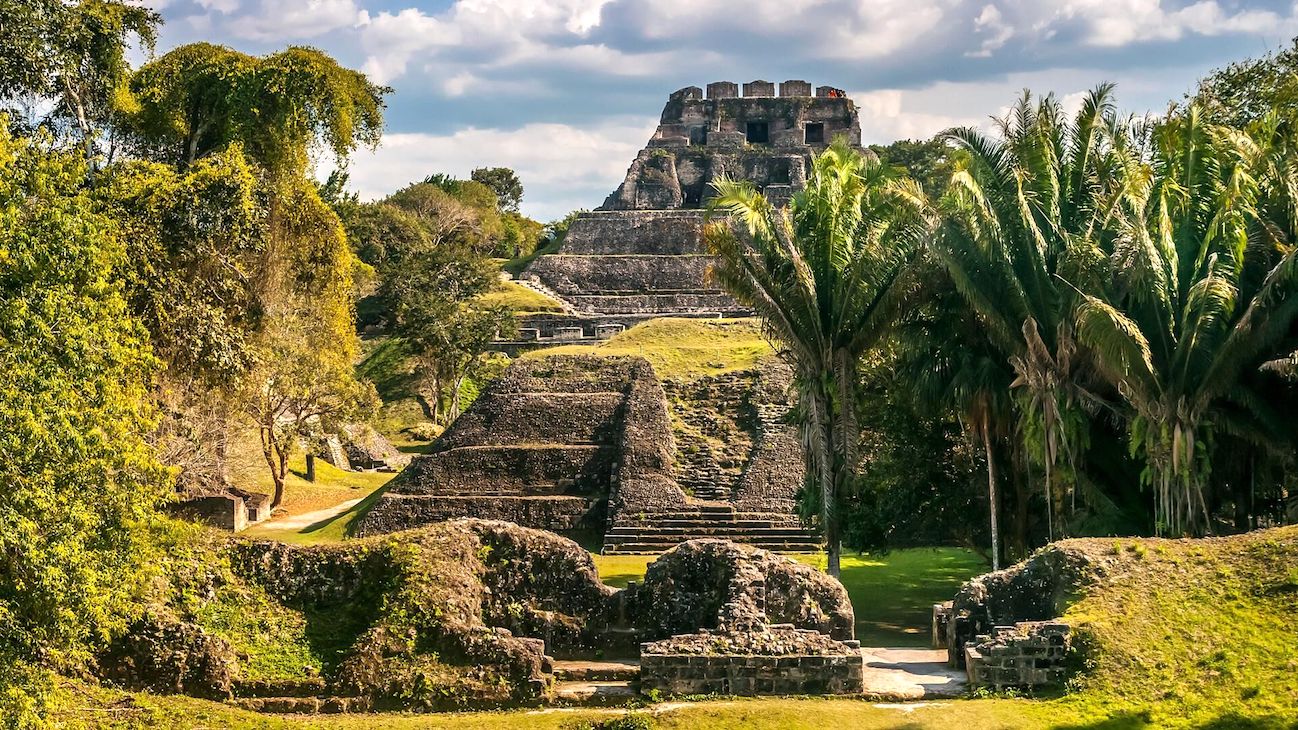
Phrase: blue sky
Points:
(566, 91)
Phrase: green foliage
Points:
(504, 183)
(928, 162)
(1247, 91)
(195, 241)
(74, 53)
(201, 98)
(78, 476)
(822, 276)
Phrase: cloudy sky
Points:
(566, 91)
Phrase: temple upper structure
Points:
(641, 255)
(759, 136)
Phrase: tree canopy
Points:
(200, 98)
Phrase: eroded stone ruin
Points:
(640, 255)
(467, 613)
(580, 444)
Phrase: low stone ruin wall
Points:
(665, 668)
(631, 273)
(1028, 654)
(667, 303)
(1002, 627)
(482, 470)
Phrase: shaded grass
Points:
(892, 595)
(683, 349)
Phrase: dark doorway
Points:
(759, 133)
(815, 133)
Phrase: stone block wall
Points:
(1027, 654)
(536, 418)
(731, 674)
(657, 232)
(795, 87)
(505, 469)
(569, 275)
(759, 89)
(395, 512)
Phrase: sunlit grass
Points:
(683, 349)
(518, 298)
(892, 594)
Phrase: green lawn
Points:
(892, 594)
(683, 349)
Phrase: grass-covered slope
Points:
(682, 348)
(1192, 632)
(518, 298)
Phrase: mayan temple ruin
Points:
(579, 444)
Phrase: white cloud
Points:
(990, 24)
(274, 20)
(1115, 23)
(562, 167)
(892, 114)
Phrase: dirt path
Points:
(910, 674)
(296, 523)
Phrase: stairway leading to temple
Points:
(661, 531)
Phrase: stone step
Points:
(596, 671)
(304, 705)
(595, 692)
(289, 687)
(687, 533)
(651, 548)
(709, 522)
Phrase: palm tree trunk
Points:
(991, 492)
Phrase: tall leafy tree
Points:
(504, 183)
(1204, 296)
(1025, 220)
(71, 53)
(77, 475)
(200, 98)
(822, 275)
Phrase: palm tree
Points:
(822, 275)
(1025, 211)
(946, 360)
(1203, 299)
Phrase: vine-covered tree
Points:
(79, 479)
(200, 98)
(71, 53)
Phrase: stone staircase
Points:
(335, 454)
(699, 474)
(306, 696)
(535, 284)
(661, 531)
(595, 682)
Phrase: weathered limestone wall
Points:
(506, 469)
(546, 446)
(1027, 654)
(749, 675)
(563, 513)
(535, 418)
(659, 232)
(621, 273)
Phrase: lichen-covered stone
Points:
(709, 583)
(159, 653)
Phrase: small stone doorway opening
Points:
(759, 132)
(814, 133)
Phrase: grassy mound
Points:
(1191, 632)
(518, 298)
(683, 349)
